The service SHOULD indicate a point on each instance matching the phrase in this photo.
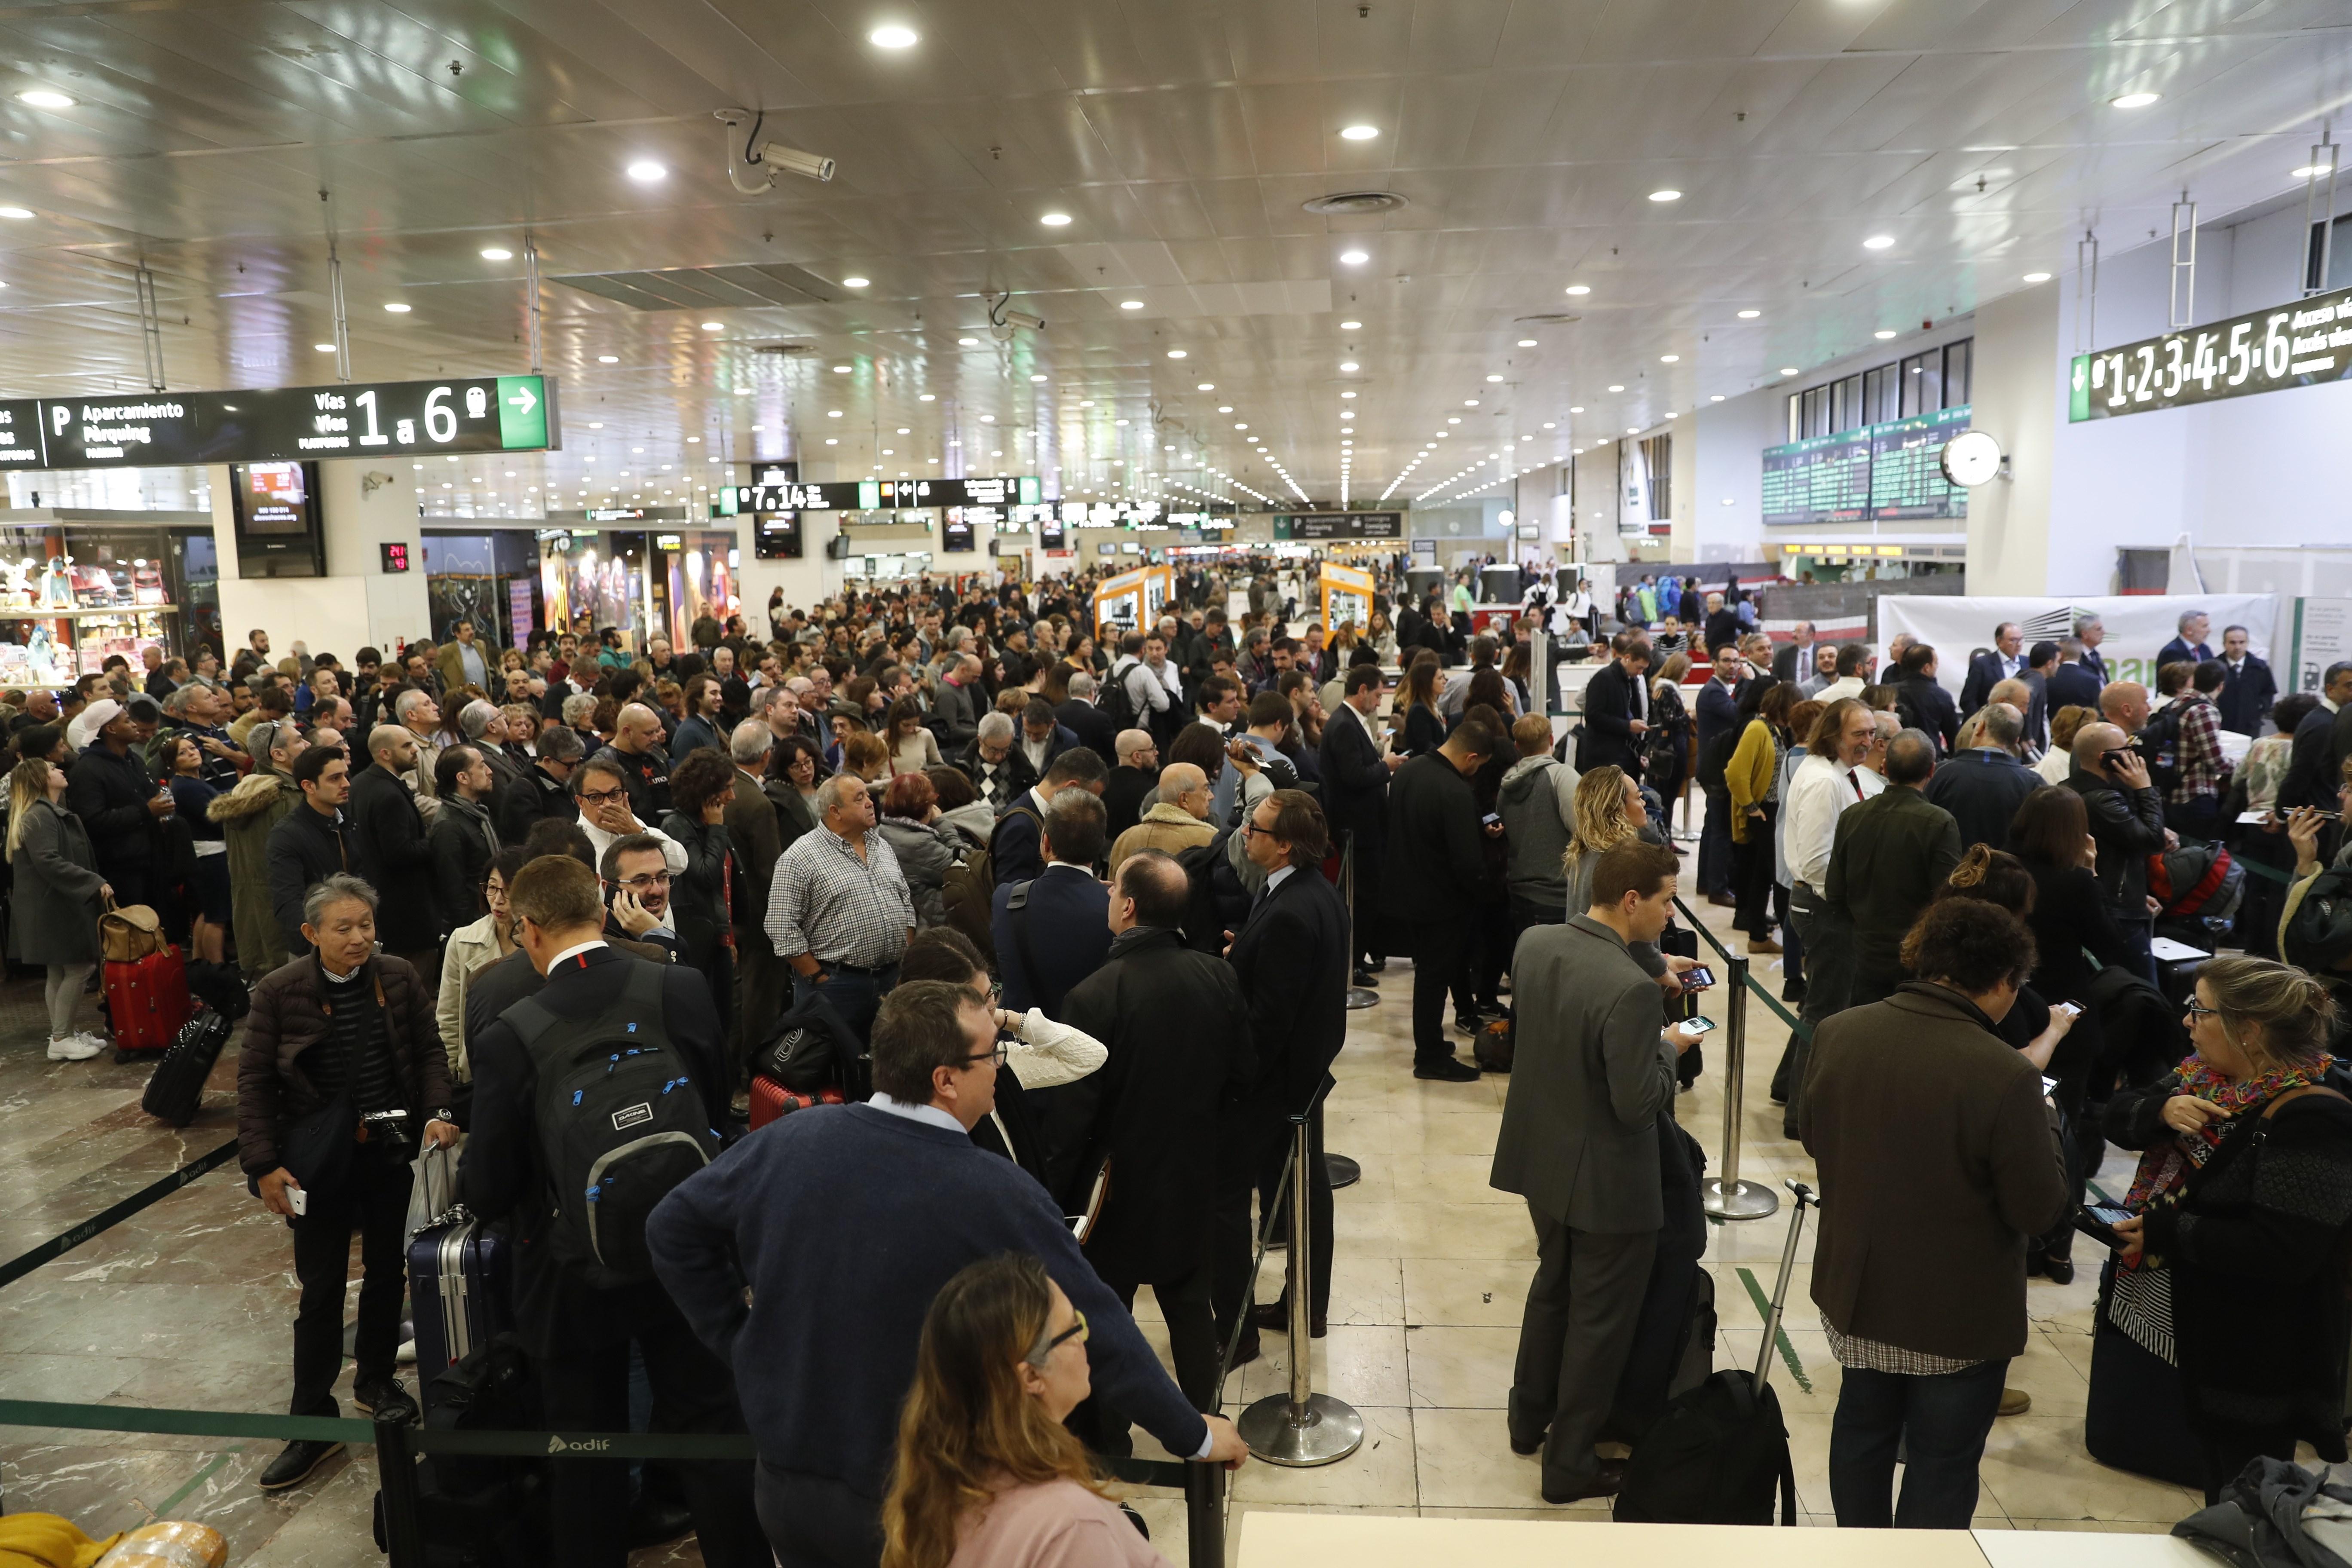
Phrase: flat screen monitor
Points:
(279, 530)
(837, 547)
(955, 535)
(776, 536)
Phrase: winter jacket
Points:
(110, 793)
(395, 859)
(1167, 827)
(471, 948)
(246, 816)
(305, 849)
(1749, 776)
(926, 852)
(463, 843)
(55, 906)
(274, 1092)
(1538, 809)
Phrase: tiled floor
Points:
(189, 1305)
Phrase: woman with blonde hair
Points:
(1609, 812)
(2230, 1270)
(986, 1472)
(58, 898)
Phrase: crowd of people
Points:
(1064, 901)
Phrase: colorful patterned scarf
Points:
(2165, 1167)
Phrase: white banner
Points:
(2137, 626)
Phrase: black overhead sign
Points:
(290, 424)
(1342, 525)
(885, 495)
(2298, 344)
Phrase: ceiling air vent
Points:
(1554, 320)
(1355, 204)
(706, 288)
(786, 350)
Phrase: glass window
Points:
(1796, 416)
(1881, 396)
(1846, 411)
(1956, 372)
(1817, 411)
(1658, 456)
(1923, 384)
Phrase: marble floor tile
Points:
(1460, 1368)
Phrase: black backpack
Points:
(812, 1047)
(1113, 700)
(620, 1124)
(2320, 935)
(2158, 745)
(1717, 758)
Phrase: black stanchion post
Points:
(395, 1476)
(1204, 1515)
(1727, 1196)
(1338, 1169)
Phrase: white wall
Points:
(357, 602)
(1727, 457)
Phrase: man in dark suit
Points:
(2040, 660)
(1291, 956)
(1137, 774)
(492, 991)
(2074, 684)
(1722, 623)
(1987, 668)
(1890, 855)
(1983, 785)
(764, 981)
(394, 856)
(1015, 849)
(1089, 724)
(579, 1331)
(1594, 1075)
(1794, 660)
(2248, 688)
(2091, 631)
(1718, 714)
(1043, 737)
(1921, 701)
(1356, 771)
(1617, 709)
(1433, 880)
(1179, 1041)
(2310, 776)
(2188, 647)
(1048, 929)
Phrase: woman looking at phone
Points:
(2238, 1217)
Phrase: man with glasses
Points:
(602, 793)
(997, 766)
(838, 907)
(882, 1204)
(637, 877)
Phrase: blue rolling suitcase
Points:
(460, 1283)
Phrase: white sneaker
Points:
(73, 1048)
(406, 1354)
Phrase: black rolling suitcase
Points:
(1721, 1451)
(176, 1087)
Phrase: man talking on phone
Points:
(2126, 814)
(1594, 1081)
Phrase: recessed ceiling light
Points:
(1750, 315)
(833, 414)
(1668, 359)
(1579, 289)
(1175, 353)
(988, 419)
(926, 397)
(324, 348)
(645, 171)
(498, 253)
(1616, 387)
(2037, 278)
(1494, 378)
(1632, 429)
(44, 97)
(892, 37)
(1360, 132)
(1549, 425)
(1130, 304)
(1224, 408)
(1878, 242)
(1788, 370)
(1354, 258)
(1053, 220)
(854, 282)
(1883, 333)
(833, 440)
(1715, 397)
(599, 425)
(1238, 426)
(1469, 403)
(1665, 196)
(1526, 343)
(2135, 99)
(1351, 326)
(1118, 422)
(1036, 378)
(396, 307)
(714, 326)
(1576, 408)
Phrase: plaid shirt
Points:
(1876, 1355)
(2204, 771)
(828, 902)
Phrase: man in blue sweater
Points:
(807, 1255)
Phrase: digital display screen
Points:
(955, 533)
(361, 419)
(781, 494)
(2299, 344)
(1886, 471)
(276, 497)
(395, 556)
(776, 536)
(1050, 536)
(276, 515)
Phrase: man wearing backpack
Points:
(584, 1288)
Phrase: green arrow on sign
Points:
(522, 413)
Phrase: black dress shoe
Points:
(384, 1398)
(654, 1523)
(2061, 1270)
(1607, 1483)
(1450, 1070)
(1365, 977)
(1527, 1444)
(1377, 965)
(1273, 1317)
(294, 1463)
(1247, 1352)
(1466, 1022)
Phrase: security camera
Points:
(1023, 319)
(370, 483)
(1002, 321)
(753, 165)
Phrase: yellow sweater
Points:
(1749, 775)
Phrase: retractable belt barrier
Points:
(106, 1220)
(1727, 1197)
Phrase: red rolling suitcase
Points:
(770, 1099)
(147, 1000)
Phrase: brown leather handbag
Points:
(129, 933)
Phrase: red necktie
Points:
(1854, 779)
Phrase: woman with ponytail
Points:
(2231, 1267)
(987, 1474)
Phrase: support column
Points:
(2014, 399)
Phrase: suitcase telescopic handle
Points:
(1804, 1199)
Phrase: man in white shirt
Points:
(1831, 777)
(1853, 666)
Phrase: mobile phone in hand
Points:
(1698, 979)
(2098, 1221)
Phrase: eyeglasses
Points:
(650, 880)
(604, 797)
(1076, 1331)
(997, 1055)
(2199, 1010)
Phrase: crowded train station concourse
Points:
(1009, 786)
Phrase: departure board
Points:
(1824, 478)
(1879, 471)
(1907, 471)
(2298, 344)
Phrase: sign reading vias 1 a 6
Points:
(2298, 344)
(288, 424)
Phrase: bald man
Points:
(2123, 704)
(2126, 816)
(637, 751)
(1127, 783)
(1176, 821)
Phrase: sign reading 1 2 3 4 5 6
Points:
(2298, 344)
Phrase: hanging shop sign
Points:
(1340, 526)
(2299, 344)
(288, 424)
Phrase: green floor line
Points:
(1779, 1336)
(163, 1509)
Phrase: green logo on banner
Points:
(522, 413)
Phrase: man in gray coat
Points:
(1593, 1073)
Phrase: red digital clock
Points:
(395, 557)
